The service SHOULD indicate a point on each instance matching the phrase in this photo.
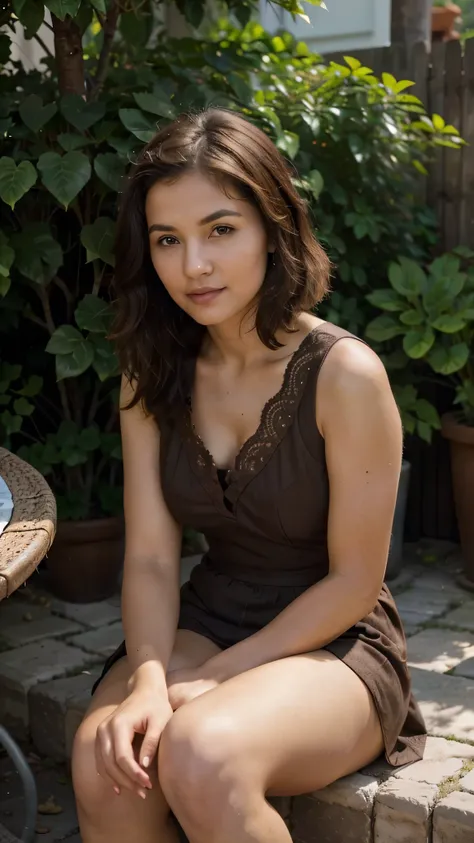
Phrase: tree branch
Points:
(109, 29)
(69, 59)
(43, 45)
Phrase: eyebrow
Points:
(224, 212)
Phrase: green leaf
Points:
(15, 181)
(65, 340)
(417, 343)
(137, 124)
(23, 407)
(34, 114)
(89, 438)
(30, 13)
(316, 183)
(383, 328)
(69, 141)
(353, 63)
(82, 115)
(449, 323)
(193, 11)
(447, 361)
(99, 5)
(5, 284)
(427, 413)
(7, 256)
(386, 300)
(390, 82)
(155, 104)
(98, 238)
(93, 314)
(438, 122)
(105, 363)
(403, 85)
(110, 169)
(38, 254)
(64, 176)
(424, 431)
(32, 387)
(11, 424)
(407, 278)
(61, 8)
(411, 317)
(241, 88)
(74, 354)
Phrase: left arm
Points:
(359, 420)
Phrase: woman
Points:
(282, 665)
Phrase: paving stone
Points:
(462, 617)
(465, 669)
(48, 705)
(430, 772)
(453, 819)
(467, 782)
(16, 611)
(92, 615)
(28, 632)
(418, 606)
(437, 749)
(439, 649)
(24, 667)
(403, 811)
(102, 641)
(441, 582)
(340, 813)
(447, 703)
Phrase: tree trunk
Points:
(68, 50)
(411, 22)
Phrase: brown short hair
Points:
(155, 339)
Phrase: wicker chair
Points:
(23, 544)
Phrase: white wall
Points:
(346, 25)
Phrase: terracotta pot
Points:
(461, 438)
(443, 17)
(85, 560)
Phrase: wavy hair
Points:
(156, 341)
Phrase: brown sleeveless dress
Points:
(266, 525)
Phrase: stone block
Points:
(24, 667)
(16, 611)
(462, 617)
(92, 615)
(430, 772)
(340, 813)
(465, 669)
(418, 606)
(447, 703)
(441, 582)
(48, 704)
(437, 749)
(453, 819)
(439, 649)
(467, 782)
(403, 811)
(37, 629)
(101, 641)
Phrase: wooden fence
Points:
(444, 81)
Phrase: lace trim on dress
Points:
(276, 416)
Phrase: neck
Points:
(236, 341)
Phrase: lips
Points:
(205, 294)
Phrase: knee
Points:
(91, 791)
(200, 766)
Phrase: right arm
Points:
(150, 591)
(150, 604)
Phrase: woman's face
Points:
(209, 251)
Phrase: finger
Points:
(125, 759)
(107, 760)
(101, 770)
(149, 745)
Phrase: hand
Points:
(145, 712)
(186, 685)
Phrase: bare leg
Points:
(105, 817)
(285, 728)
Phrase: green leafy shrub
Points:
(430, 312)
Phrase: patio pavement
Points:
(50, 652)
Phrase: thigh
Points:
(295, 725)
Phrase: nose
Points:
(196, 263)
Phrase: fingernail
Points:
(142, 794)
(117, 790)
(146, 761)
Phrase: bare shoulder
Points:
(353, 379)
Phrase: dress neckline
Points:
(265, 437)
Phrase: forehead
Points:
(194, 194)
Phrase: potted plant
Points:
(443, 17)
(431, 310)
